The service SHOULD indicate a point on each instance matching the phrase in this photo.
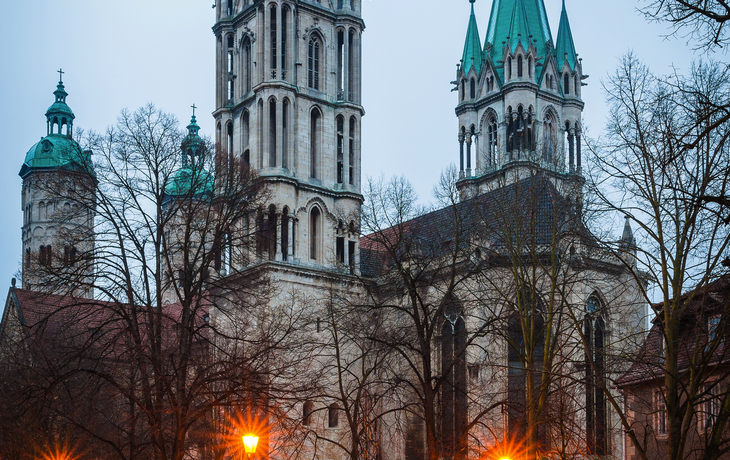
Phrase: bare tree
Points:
(702, 21)
(179, 336)
(663, 164)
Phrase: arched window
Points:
(519, 66)
(340, 4)
(229, 146)
(472, 88)
(247, 64)
(333, 415)
(529, 66)
(313, 63)
(229, 68)
(509, 68)
(510, 130)
(272, 133)
(340, 148)
(340, 65)
(314, 144)
(596, 420)
(491, 140)
(285, 134)
(566, 83)
(525, 326)
(270, 234)
(284, 40)
(351, 66)
(577, 85)
(351, 151)
(314, 232)
(245, 129)
(454, 371)
(273, 35)
(307, 410)
(463, 89)
(549, 137)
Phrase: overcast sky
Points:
(125, 53)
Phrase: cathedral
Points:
(289, 105)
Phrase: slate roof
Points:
(714, 298)
(530, 212)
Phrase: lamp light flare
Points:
(249, 442)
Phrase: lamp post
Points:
(249, 443)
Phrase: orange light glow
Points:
(249, 442)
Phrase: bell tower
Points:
(519, 103)
(288, 98)
(58, 193)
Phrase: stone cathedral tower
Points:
(288, 98)
(59, 187)
(519, 97)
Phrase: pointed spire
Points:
(627, 238)
(565, 49)
(529, 12)
(473, 45)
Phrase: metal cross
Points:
(193, 106)
(60, 75)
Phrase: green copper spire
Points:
(565, 49)
(58, 149)
(473, 45)
(192, 177)
(509, 18)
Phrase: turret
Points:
(518, 114)
(59, 187)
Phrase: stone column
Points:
(577, 150)
(278, 237)
(571, 149)
(461, 155)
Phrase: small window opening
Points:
(333, 416)
(340, 252)
(307, 413)
(351, 256)
(566, 83)
(519, 66)
(340, 149)
(472, 88)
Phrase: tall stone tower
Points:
(519, 97)
(288, 98)
(58, 193)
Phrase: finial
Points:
(12, 282)
(193, 106)
(472, 1)
(60, 75)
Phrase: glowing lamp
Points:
(249, 442)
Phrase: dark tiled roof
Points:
(530, 213)
(714, 298)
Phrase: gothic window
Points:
(340, 4)
(340, 148)
(247, 64)
(260, 122)
(245, 129)
(472, 88)
(519, 66)
(352, 5)
(272, 133)
(285, 134)
(314, 143)
(491, 140)
(463, 89)
(526, 325)
(454, 374)
(577, 85)
(333, 418)
(509, 68)
(340, 65)
(307, 410)
(596, 425)
(549, 138)
(313, 64)
(229, 68)
(314, 231)
(229, 7)
(284, 40)
(270, 232)
(351, 151)
(229, 140)
(273, 33)
(529, 66)
(566, 83)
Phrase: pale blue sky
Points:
(119, 54)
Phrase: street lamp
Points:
(249, 443)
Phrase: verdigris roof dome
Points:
(188, 179)
(192, 177)
(58, 149)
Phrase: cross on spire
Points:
(60, 75)
(193, 106)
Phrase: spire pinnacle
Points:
(565, 48)
(472, 56)
(60, 76)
